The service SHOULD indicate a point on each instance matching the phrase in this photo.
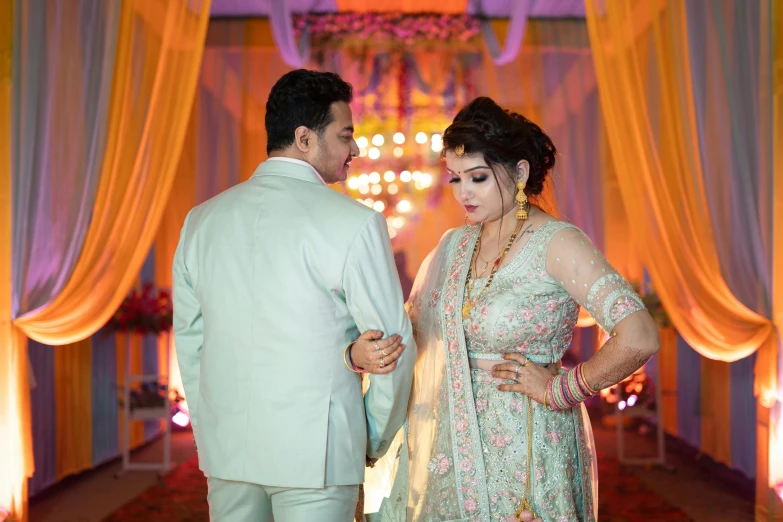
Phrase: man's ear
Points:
(303, 139)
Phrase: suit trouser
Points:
(231, 501)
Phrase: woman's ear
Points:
(523, 171)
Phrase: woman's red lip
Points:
(470, 208)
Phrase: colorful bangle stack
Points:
(566, 390)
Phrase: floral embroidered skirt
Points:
(559, 455)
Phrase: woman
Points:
(486, 439)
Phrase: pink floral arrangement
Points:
(333, 28)
(148, 311)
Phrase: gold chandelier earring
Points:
(521, 201)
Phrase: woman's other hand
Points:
(530, 378)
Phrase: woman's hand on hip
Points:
(373, 354)
(530, 378)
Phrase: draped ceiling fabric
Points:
(403, 6)
(296, 54)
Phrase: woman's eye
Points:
(480, 179)
(454, 180)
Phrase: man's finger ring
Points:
(382, 363)
(383, 352)
(377, 347)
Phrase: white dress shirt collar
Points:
(299, 162)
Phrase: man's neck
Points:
(297, 156)
(287, 153)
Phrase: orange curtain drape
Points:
(637, 46)
(404, 6)
(158, 55)
(122, 344)
(16, 452)
(770, 433)
(73, 407)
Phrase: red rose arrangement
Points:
(149, 311)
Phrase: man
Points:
(272, 279)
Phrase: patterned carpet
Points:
(181, 497)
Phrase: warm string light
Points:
(389, 192)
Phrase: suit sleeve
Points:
(188, 328)
(374, 298)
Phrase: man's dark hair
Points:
(299, 98)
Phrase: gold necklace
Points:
(487, 263)
(469, 283)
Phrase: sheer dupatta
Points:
(402, 478)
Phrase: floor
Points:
(92, 496)
(702, 495)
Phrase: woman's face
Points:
(484, 194)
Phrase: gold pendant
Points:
(466, 310)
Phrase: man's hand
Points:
(373, 354)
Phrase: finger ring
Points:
(383, 352)
(377, 347)
(518, 367)
(382, 363)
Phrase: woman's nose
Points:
(465, 194)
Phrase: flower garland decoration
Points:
(149, 311)
(334, 29)
(404, 91)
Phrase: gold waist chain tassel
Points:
(526, 513)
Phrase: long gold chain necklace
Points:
(525, 504)
(526, 511)
(470, 282)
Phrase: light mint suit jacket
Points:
(272, 279)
